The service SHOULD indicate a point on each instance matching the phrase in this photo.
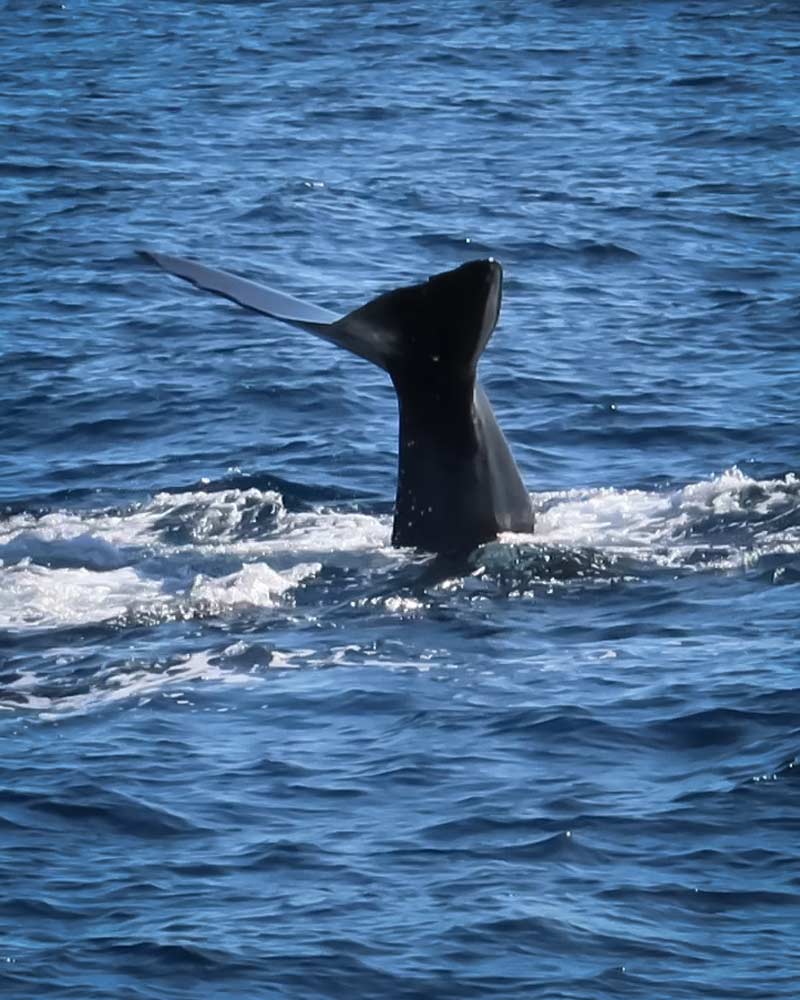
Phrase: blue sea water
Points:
(248, 749)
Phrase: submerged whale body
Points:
(457, 482)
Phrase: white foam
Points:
(217, 521)
(68, 568)
(113, 529)
(658, 526)
(203, 551)
(255, 584)
(213, 518)
(33, 596)
(139, 682)
(605, 518)
(331, 532)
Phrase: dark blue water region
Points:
(250, 749)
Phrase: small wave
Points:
(287, 855)
(255, 584)
(174, 959)
(123, 682)
(606, 252)
(233, 515)
(95, 807)
(700, 731)
(582, 252)
(29, 168)
(83, 550)
(708, 80)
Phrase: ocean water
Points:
(248, 749)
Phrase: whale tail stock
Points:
(457, 484)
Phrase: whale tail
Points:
(457, 483)
(441, 324)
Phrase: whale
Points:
(458, 485)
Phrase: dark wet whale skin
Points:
(457, 482)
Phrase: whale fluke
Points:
(246, 293)
(457, 483)
(359, 338)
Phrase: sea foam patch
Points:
(36, 596)
(178, 555)
(201, 553)
(722, 522)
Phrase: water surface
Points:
(250, 750)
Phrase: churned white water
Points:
(204, 552)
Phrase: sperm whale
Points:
(457, 482)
